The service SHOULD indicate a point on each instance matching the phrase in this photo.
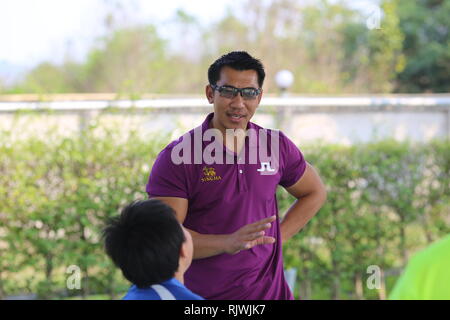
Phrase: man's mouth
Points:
(235, 117)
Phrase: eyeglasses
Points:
(231, 92)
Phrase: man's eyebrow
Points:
(229, 85)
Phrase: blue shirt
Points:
(168, 290)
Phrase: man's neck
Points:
(233, 140)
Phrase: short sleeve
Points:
(294, 162)
(166, 178)
(405, 288)
(408, 286)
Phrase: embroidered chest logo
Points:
(265, 167)
(209, 174)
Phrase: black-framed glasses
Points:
(231, 92)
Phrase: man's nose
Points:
(237, 101)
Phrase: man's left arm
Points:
(311, 194)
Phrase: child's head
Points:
(148, 243)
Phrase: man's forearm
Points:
(300, 213)
(248, 236)
(207, 245)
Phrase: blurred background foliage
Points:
(326, 44)
(386, 200)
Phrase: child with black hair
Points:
(152, 249)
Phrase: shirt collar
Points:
(250, 125)
(205, 124)
(209, 117)
(172, 281)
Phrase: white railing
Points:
(441, 101)
(346, 118)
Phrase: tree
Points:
(386, 59)
(45, 78)
(130, 60)
(425, 24)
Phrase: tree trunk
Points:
(382, 291)
(305, 286)
(336, 279)
(336, 287)
(403, 252)
(359, 290)
(111, 286)
(85, 289)
(2, 292)
(305, 290)
(426, 228)
(84, 268)
(48, 266)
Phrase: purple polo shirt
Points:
(222, 198)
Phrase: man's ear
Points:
(260, 97)
(209, 94)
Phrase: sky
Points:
(33, 31)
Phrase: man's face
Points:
(233, 113)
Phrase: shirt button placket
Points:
(241, 178)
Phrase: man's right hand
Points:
(209, 245)
(249, 236)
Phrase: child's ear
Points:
(183, 250)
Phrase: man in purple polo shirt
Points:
(221, 180)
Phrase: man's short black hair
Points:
(238, 60)
(144, 241)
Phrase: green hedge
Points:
(385, 201)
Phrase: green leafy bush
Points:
(386, 200)
(55, 196)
